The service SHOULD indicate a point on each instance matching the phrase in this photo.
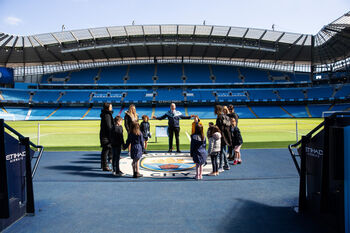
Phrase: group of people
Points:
(112, 138)
(224, 138)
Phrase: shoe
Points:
(239, 161)
(116, 174)
(212, 174)
(178, 151)
(121, 173)
(221, 170)
(169, 151)
(145, 152)
(235, 162)
(137, 175)
(230, 158)
(226, 168)
(106, 169)
(216, 173)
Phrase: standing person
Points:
(232, 114)
(214, 148)
(145, 130)
(106, 128)
(117, 144)
(210, 125)
(224, 124)
(130, 117)
(173, 126)
(195, 122)
(198, 151)
(237, 141)
(135, 140)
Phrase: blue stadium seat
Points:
(169, 73)
(141, 74)
(197, 73)
(110, 75)
(226, 74)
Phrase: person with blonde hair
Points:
(130, 117)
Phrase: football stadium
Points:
(291, 92)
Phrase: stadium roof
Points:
(331, 44)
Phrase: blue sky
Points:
(27, 17)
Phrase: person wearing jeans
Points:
(214, 137)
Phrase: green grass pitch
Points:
(84, 135)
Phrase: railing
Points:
(302, 167)
(21, 138)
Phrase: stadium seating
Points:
(296, 110)
(317, 110)
(270, 112)
(169, 95)
(15, 95)
(83, 76)
(169, 73)
(226, 74)
(197, 73)
(261, 94)
(254, 75)
(46, 96)
(110, 75)
(141, 74)
(319, 92)
(291, 93)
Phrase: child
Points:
(198, 151)
(145, 130)
(237, 141)
(214, 138)
(195, 122)
(211, 124)
(117, 143)
(135, 140)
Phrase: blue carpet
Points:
(73, 195)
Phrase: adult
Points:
(174, 117)
(224, 124)
(232, 114)
(130, 117)
(106, 129)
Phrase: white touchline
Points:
(188, 136)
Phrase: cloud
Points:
(11, 20)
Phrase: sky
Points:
(30, 17)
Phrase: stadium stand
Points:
(141, 74)
(197, 73)
(169, 73)
(270, 112)
(226, 74)
(114, 74)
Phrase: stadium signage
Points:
(15, 157)
(314, 152)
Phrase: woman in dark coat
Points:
(135, 140)
(106, 128)
(145, 130)
(198, 150)
(224, 124)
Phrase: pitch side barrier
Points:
(322, 159)
(16, 175)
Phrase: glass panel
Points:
(27, 42)
(220, 31)
(168, 29)
(134, 30)
(151, 30)
(203, 30)
(46, 39)
(34, 42)
(289, 38)
(272, 35)
(82, 34)
(237, 32)
(254, 33)
(10, 43)
(99, 32)
(117, 31)
(64, 36)
(19, 42)
(186, 29)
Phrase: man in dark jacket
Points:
(173, 125)
(106, 129)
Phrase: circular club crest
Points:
(164, 165)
